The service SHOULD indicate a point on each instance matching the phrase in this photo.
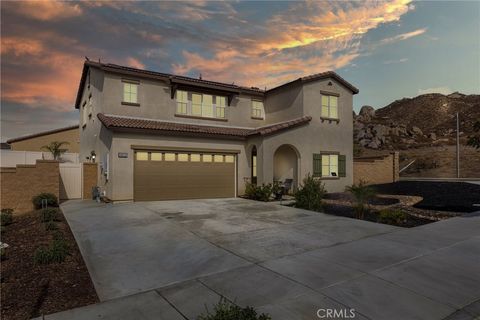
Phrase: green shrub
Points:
(391, 216)
(6, 217)
(261, 193)
(42, 255)
(225, 310)
(310, 194)
(362, 194)
(50, 214)
(56, 252)
(52, 200)
(51, 226)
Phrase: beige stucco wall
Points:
(36, 143)
(316, 137)
(156, 103)
(93, 135)
(282, 104)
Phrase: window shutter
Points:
(317, 165)
(342, 165)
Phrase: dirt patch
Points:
(29, 290)
(439, 196)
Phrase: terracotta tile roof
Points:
(43, 133)
(189, 79)
(318, 76)
(137, 124)
(273, 128)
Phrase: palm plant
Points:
(55, 148)
(362, 194)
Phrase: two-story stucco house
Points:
(159, 136)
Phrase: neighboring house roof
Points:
(121, 123)
(196, 82)
(44, 133)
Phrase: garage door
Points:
(181, 175)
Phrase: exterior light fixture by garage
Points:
(93, 156)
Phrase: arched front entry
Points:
(285, 164)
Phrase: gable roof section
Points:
(128, 71)
(320, 76)
(119, 123)
(43, 133)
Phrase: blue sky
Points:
(389, 50)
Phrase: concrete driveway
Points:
(167, 260)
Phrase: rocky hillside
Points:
(426, 120)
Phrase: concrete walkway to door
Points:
(167, 260)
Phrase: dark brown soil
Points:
(29, 290)
(442, 196)
(349, 212)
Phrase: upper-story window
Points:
(258, 111)
(90, 106)
(220, 107)
(130, 92)
(329, 106)
(200, 105)
(182, 102)
(84, 114)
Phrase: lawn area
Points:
(30, 289)
(441, 196)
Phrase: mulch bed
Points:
(29, 290)
(441, 196)
(349, 212)
(343, 204)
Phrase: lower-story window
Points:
(329, 165)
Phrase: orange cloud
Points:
(134, 63)
(404, 36)
(308, 38)
(47, 10)
(20, 46)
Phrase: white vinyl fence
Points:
(10, 158)
(70, 181)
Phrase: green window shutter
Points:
(342, 165)
(317, 165)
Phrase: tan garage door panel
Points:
(168, 180)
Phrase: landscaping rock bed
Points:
(30, 290)
(343, 204)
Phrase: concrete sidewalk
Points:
(284, 261)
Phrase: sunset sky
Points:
(389, 50)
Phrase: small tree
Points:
(474, 140)
(55, 148)
(310, 194)
(362, 194)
